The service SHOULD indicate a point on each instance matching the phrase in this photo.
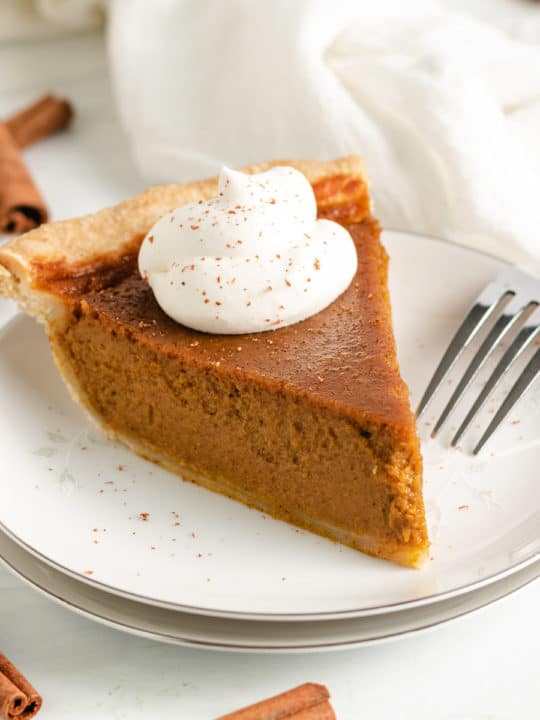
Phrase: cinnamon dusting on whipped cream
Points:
(244, 261)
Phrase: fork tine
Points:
(520, 387)
(477, 316)
(516, 349)
(502, 327)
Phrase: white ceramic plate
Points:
(197, 630)
(79, 502)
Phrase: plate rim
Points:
(209, 644)
(277, 616)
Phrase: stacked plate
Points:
(126, 543)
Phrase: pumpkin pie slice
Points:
(310, 423)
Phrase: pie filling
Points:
(309, 423)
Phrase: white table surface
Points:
(485, 665)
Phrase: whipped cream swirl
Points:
(253, 258)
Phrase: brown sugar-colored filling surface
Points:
(310, 422)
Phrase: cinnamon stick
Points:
(18, 699)
(305, 702)
(46, 116)
(21, 204)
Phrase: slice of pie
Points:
(310, 423)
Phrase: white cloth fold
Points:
(444, 108)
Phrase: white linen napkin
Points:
(444, 108)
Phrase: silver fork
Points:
(508, 307)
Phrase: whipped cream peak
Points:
(253, 258)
